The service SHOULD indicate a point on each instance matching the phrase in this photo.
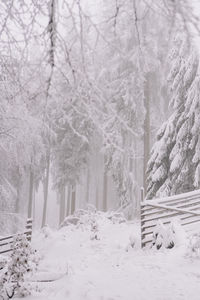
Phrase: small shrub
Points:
(23, 262)
(46, 231)
(81, 218)
(193, 249)
(3, 261)
(94, 230)
(167, 236)
(117, 217)
(134, 242)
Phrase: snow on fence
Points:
(6, 242)
(184, 206)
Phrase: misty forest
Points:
(100, 149)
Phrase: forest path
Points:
(103, 270)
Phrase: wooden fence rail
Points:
(184, 206)
(6, 242)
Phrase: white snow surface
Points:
(109, 268)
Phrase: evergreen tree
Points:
(170, 168)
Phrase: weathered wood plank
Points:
(191, 222)
(195, 204)
(179, 196)
(6, 238)
(6, 243)
(163, 216)
(171, 202)
(5, 251)
(175, 209)
(177, 203)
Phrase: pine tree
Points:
(170, 168)
(192, 121)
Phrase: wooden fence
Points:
(184, 206)
(6, 242)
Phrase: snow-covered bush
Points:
(46, 231)
(168, 236)
(94, 230)
(70, 220)
(22, 263)
(82, 217)
(91, 220)
(193, 249)
(117, 217)
(133, 243)
(3, 261)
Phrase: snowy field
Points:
(103, 269)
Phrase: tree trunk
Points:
(88, 185)
(62, 205)
(68, 201)
(97, 197)
(73, 199)
(137, 176)
(130, 214)
(105, 190)
(46, 188)
(146, 130)
(52, 37)
(30, 202)
(34, 191)
(17, 206)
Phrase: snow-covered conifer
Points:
(171, 166)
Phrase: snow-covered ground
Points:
(104, 270)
